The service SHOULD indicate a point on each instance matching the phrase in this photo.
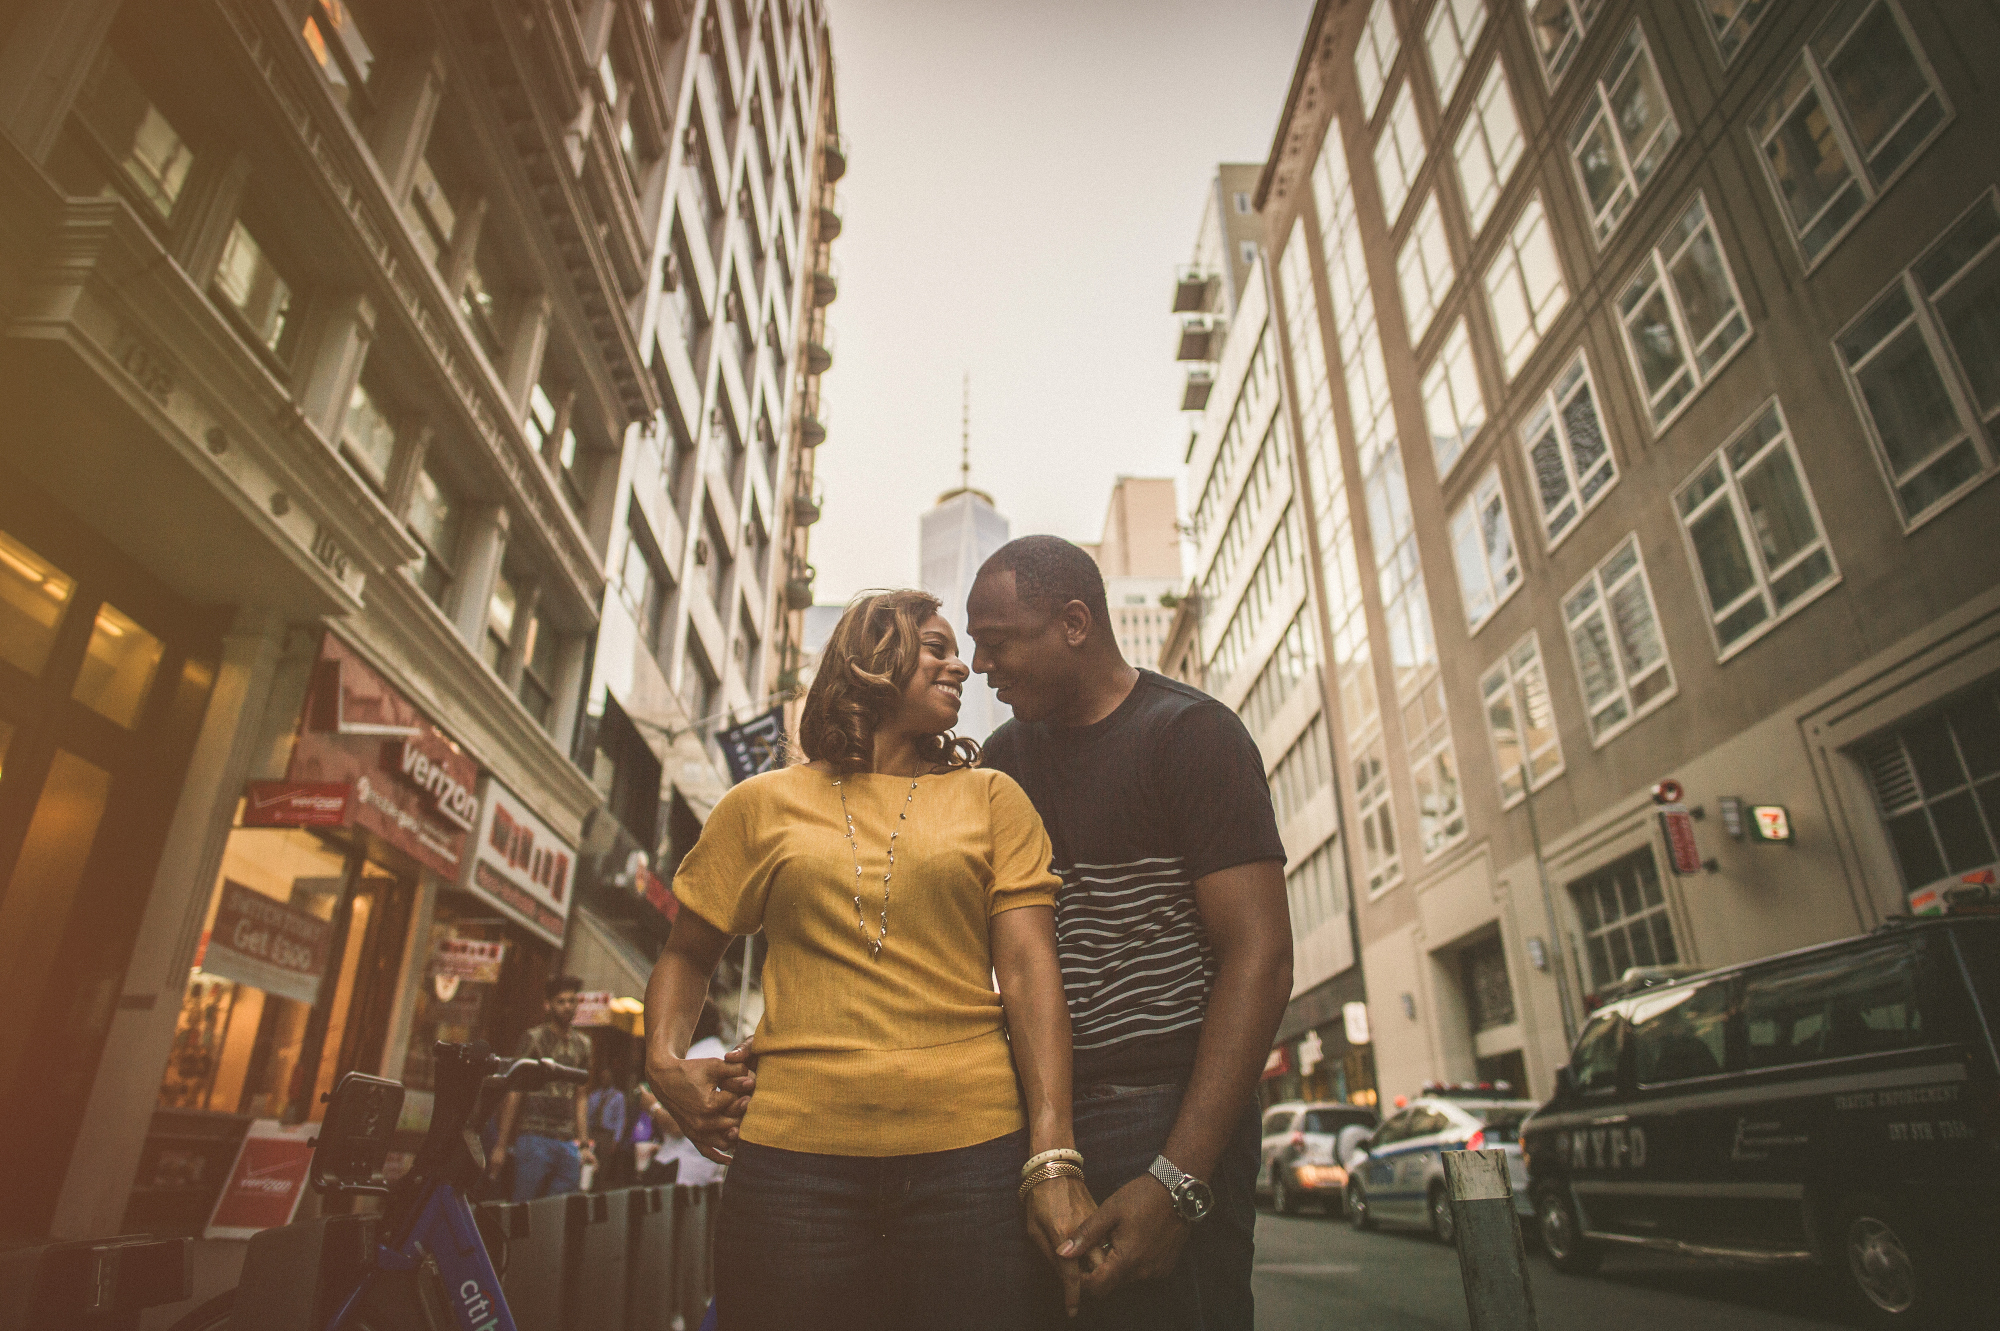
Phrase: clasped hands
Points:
(706, 1097)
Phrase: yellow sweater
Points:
(860, 1056)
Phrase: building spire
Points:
(965, 438)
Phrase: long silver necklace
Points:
(860, 917)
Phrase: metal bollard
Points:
(1490, 1257)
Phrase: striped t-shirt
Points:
(1167, 789)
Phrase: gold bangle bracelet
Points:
(1069, 1153)
(1053, 1170)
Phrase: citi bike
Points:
(430, 1267)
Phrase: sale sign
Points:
(266, 1182)
(268, 944)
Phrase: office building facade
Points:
(1640, 395)
(1139, 553)
(349, 349)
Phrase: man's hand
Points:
(696, 1093)
(1136, 1234)
(1055, 1209)
(586, 1154)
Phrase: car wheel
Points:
(1283, 1200)
(1885, 1270)
(1357, 1208)
(1562, 1236)
(1444, 1226)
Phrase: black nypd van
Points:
(1839, 1105)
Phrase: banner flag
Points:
(758, 745)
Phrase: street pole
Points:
(1488, 1236)
(1548, 905)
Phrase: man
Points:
(1172, 926)
(553, 1142)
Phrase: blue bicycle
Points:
(431, 1256)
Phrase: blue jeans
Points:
(544, 1166)
(1120, 1129)
(895, 1243)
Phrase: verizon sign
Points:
(449, 798)
(520, 865)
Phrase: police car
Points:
(1839, 1104)
(1399, 1178)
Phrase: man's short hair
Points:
(1049, 573)
(560, 985)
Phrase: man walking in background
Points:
(548, 1132)
(1172, 927)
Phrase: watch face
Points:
(1193, 1199)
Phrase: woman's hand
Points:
(1054, 1211)
(692, 1092)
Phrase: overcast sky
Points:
(1023, 177)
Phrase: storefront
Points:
(104, 678)
(369, 903)
(1324, 1048)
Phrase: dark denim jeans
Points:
(896, 1243)
(1120, 1129)
(545, 1166)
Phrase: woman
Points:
(887, 1159)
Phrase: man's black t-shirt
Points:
(1168, 788)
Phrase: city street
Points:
(1315, 1274)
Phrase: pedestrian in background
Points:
(610, 1129)
(882, 1169)
(1173, 928)
(675, 1151)
(548, 1133)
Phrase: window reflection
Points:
(33, 595)
(118, 669)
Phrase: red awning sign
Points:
(1279, 1063)
(297, 803)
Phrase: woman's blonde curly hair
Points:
(866, 664)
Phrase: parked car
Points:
(1301, 1152)
(1400, 1177)
(1839, 1104)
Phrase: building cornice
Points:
(1308, 106)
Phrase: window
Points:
(1924, 364)
(367, 435)
(1453, 405)
(1682, 1034)
(1837, 1006)
(1294, 659)
(1525, 287)
(1302, 772)
(1614, 633)
(721, 564)
(1527, 751)
(1482, 545)
(747, 644)
(1374, 54)
(1558, 27)
(1425, 268)
(1595, 1062)
(1433, 769)
(1270, 577)
(698, 685)
(1242, 203)
(1937, 787)
(483, 298)
(538, 671)
(643, 581)
(435, 518)
(150, 154)
(1569, 454)
(1399, 153)
(1681, 314)
(1379, 858)
(1398, 569)
(1489, 995)
(1449, 36)
(1488, 147)
(1246, 253)
(433, 211)
(1857, 107)
(1625, 132)
(345, 58)
(253, 287)
(34, 595)
(1625, 919)
(1754, 534)
(1317, 888)
(548, 427)
(1730, 21)
(501, 608)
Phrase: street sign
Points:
(1770, 822)
(1678, 824)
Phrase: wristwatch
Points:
(1191, 1197)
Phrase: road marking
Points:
(1308, 1269)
